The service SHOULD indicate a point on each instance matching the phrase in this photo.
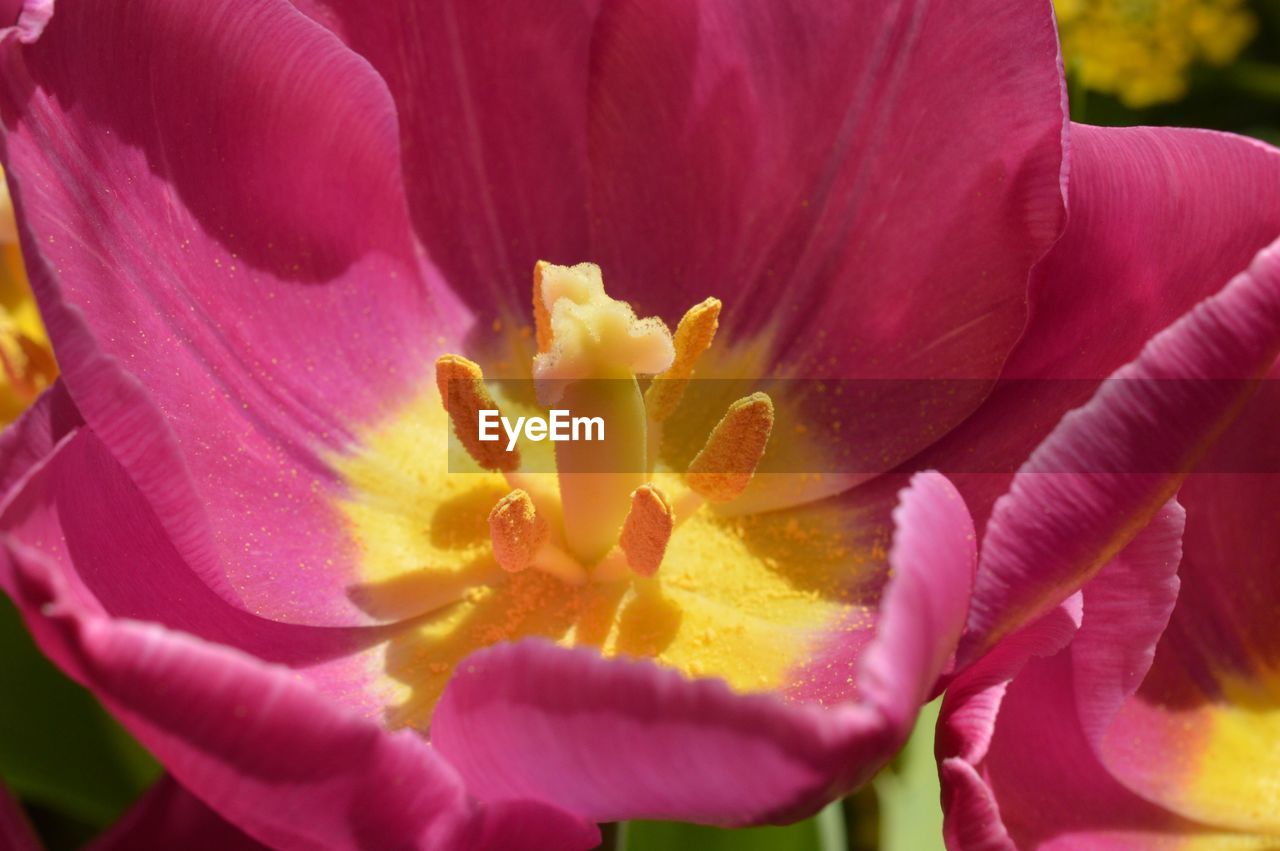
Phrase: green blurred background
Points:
(1199, 63)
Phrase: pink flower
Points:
(254, 227)
(1163, 705)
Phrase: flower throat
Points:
(606, 518)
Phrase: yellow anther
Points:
(464, 396)
(647, 530)
(541, 316)
(693, 336)
(516, 530)
(724, 467)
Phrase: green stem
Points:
(909, 793)
(832, 835)
(613, 836)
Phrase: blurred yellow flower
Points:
(26, 360)
(1142, 50)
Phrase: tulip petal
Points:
(1161, 218)
(116, 557)
(1000, 770)
(28, 20)
(1200, 736)
(168, 816)
(797, 160)
(805, 154)
(260, 745)
(492, 102)
(922, 610)
(223, 318)
(1108, 466)
(618, 739)
(28, 441)
(800, 161)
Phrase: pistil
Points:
(608, 521)
(596, 346)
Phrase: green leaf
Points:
(909, 793)
(824, 832)
(58, 747)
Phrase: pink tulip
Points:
(254, 226)
(1163, 705)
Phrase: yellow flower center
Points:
(619, 544)
(591, 349)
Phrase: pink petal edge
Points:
(616, 739)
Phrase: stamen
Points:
(541, 316)
(516, 530)
(724, 467)
(647, 530)
(464, 396)
(693, 336)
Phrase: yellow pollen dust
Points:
(464, 396)
(694, 334)
(517, 531)
(724, 467)
(647, 530)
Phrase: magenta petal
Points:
(15, 831)
(1193, 738)
(223, 319)
(24, 19)
(973, 821)
(492, 102)
(801, 161)
(1021, 756)
(1125, 615)
(614, 739)
(973, 698)
(922, 612)
(1160, 219)
(1077, 500)
(27, 442)
(114, 554)
(168, 816)
(865, 186)
(258, 744)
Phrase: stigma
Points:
(607, 518)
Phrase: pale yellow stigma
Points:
(591, 334)
(647, 530)
(517, 531)
(724, 467)
(693, 336)
(464, 396)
